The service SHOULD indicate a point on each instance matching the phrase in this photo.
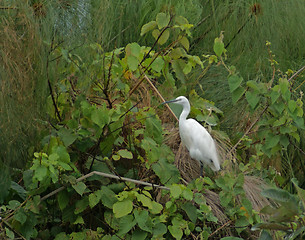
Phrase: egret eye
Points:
(211, 161)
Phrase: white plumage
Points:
(196, 138)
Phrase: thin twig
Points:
(108, 176)
(296, 73)
(213, 233)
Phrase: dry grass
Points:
(190, 169)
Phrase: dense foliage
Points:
(104, 122)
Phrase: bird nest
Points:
(190, 169)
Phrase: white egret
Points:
(196, 138)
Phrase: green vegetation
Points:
(87, 152)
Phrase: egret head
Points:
(181, 101)
(214, 164)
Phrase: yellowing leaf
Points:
(124, 153)
(162, 20)
(121, 209)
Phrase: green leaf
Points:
(100, 117)
(175, 231)
(157, 64)
(124, 153)
(79, 187)
(81, 205)
(148, 27)
(187, 194)
(219, 48)
(164, 37)
(10, 234)
(41, 172)
(67, 136)
(108, 197)
(146, 202)
(156, 208)
(175, 191)
(191, 211)
(94, 198)
(292, 105)
(162, 20)
(237, 94)
(133, 49)
(63, 154)
(126, 223)
(253, 84)
(271, 141)
(143, 220)
(278, 195)
(234, 82)
(185, 43)
(252, 98)
(63, 199)
(121, 209)
(20, 216)
(159, 229)
(132, 62)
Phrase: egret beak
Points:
(170, 101)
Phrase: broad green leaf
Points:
(278, 195)
(79, 187)
(124, 153)
(20, 216)
(139, 234)
(63, 199)
(162, 20)
(178, 66)
(148, 27)
(191, 211)
(67, 136)
(13, 204)
(175, 231)
(157, 64)
(175, 191)
(164, 37)
(271, 141)
(10, 234)
(79, 220)
(274, 95)
(181, 20)
(187, 194)
(159, 229)
(63, 154)
(155, 33)
(132, 62)
(133, 49)
(41, 172)
(100, 117)
(237, 94)
(121, 209)
(185, 43)
(108, 197)
(126, 223)
(234, 82)
(146, 202)
(253, 84)
(143, 220)
(94, 198)
(156, 208)
(292, 105)
(218, 48)
(252, 98)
